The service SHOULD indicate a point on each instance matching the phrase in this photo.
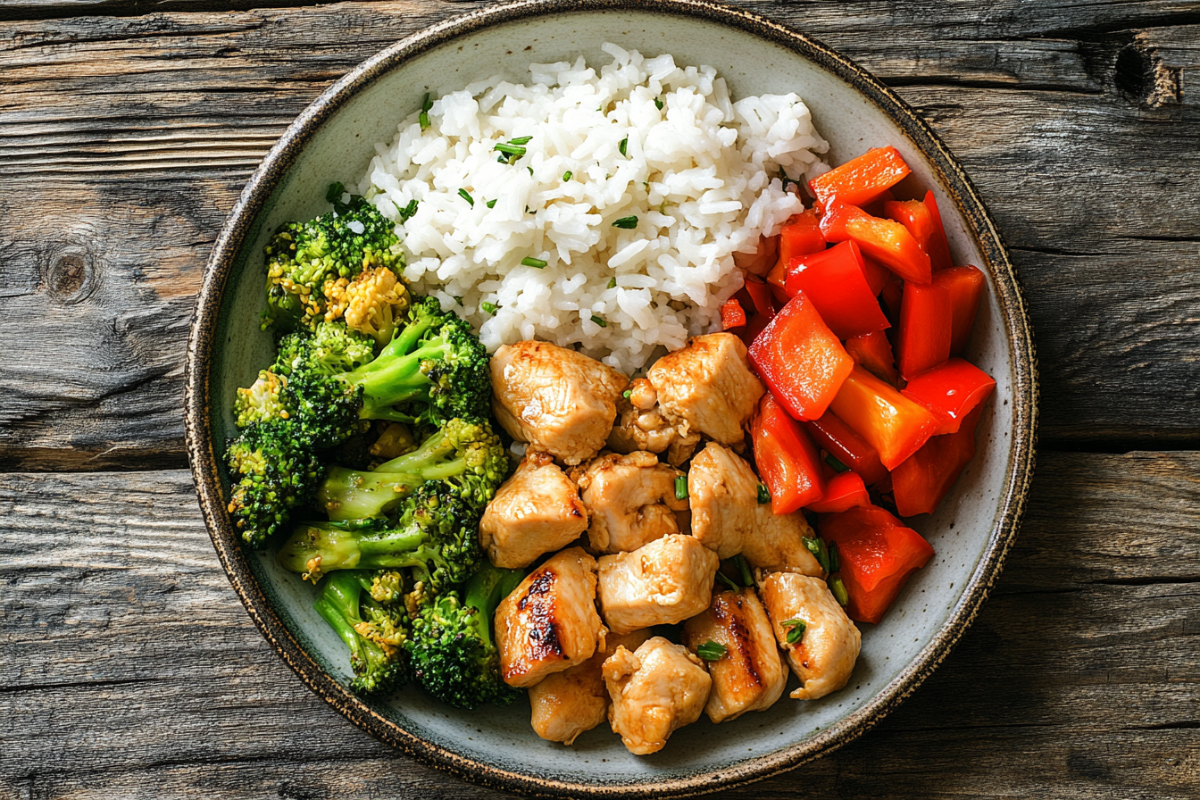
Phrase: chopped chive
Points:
(744, 568)
(530, 261)
(817, 548)
(839, 591)
(334, 193)
(764, 494)
(835, 563)
(501, 160)
(530, 170)
(510, 149)
(658, 103)
(599, 321)
(491, 203)
(623, 145)
(723, 578)
(465, 195)
(627, 393)
(568, 175)
(628, 223)
(796, 628)
(520, 140)
(612, 283)
(407, 212)
(426, 104)
(681, 488)
(837, 465)
(711, 651)
(488, 307)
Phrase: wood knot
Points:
(1142, 76)
(70, 276)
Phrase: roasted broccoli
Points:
(453, 655)
(277, 473)
(466, 456)
(437, 536)
(376, 633)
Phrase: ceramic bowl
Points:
(333, 140)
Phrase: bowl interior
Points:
(963, 531)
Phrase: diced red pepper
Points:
(874, 352)
(877, 274)
(732, 314)
(886, 241)
(799, 236)
(916, 217)
(800, 359)
(877, 554)
(760, 296)
(861, 180)
(922, 482)
(964, 286)
(787, 459)
(839, 440)
(842, 492)
(925, 329)
(936, 216)
(835, 280)
(891, 423)
(951, 391)
(892, 295)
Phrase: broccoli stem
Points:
(338, 548)
(484, 592)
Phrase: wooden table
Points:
(128, 668)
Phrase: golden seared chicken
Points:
(723, 493)
(662, 583)
(749, 676)
(708, 385)
(568, 703)
(641, 425)
(556, 399)
(823, 656)
(631, 500)
(655, 691)
(777, 544)
(549, 622)
(536, 511)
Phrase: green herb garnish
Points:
(599, 321)
(627, 223)
(744, 568)
(623, 145)
(711, 651)
(568, 175)
(839, 591)
(627, 393)
(426, 104)
(488, 307)
(817, 548)
(723, 578)
(764, 494)
(837, 465)
(530, 261)
(835, 563)
(796, 628)
(407, 212)
(491, 203)
(510, 149)
(681, 488)
(612, 283)
(658, 103)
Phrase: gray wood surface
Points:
(131, 670)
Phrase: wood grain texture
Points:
(130, 670)
(124, 141)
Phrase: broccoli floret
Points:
(372, 302)
(277, 473)
(465, 455)
(453, 655)
(261, 401)
(375, 633)
(436, 536)
(310, 264)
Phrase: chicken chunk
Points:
(536, 511)
(750, 676)
(777, 544)
(655, 691)
(661, 583)
(709, 386)
(568, 703)
(631, 500)
(723, 492)
(824, 655)
(549, 622)
(556, 399)
(641, 425)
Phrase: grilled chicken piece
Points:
(549, 622)
(556, 399)
(661, 583)
(641, 425)
(723, 492)
(777, 544)
(536, 511)
(631, 500)
(655, 691)
(568, 703)
(824, 657)
(708, 387)
(750, 676)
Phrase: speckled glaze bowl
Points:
(333, 140)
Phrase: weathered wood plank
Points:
(124, 142)
(130, 670)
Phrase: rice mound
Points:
(700, 173)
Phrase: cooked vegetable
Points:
(964, 286)
(839, 440)
(891, 423)
(836, 282)
(374, 632)
(916, 217)
(920, 483)
(886, 241)
(786, 457)
(863, 179)
(926, 327)
(951, 391)
(874, 352)
(842, 492)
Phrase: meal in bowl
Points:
(606, 387)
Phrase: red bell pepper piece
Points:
(877, 554)
(732, 314)
(839, 440)
(892, 295)
(760, 296)
(926, 326)
(886, 241)
(877, 274)
(891, 423)
(874, 352)
(843, 491)
(800, 359)
(787, 459)
(951, 391)
(861, 180)
(799, 236)
(916, 217)
(936, 216)
(964, 286)
(835, 280)
(922, 481)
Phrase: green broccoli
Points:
(464, 455)
(436, 536)
(277, 473)
(375, 633)
(453, 655)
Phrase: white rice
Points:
(700, 174)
